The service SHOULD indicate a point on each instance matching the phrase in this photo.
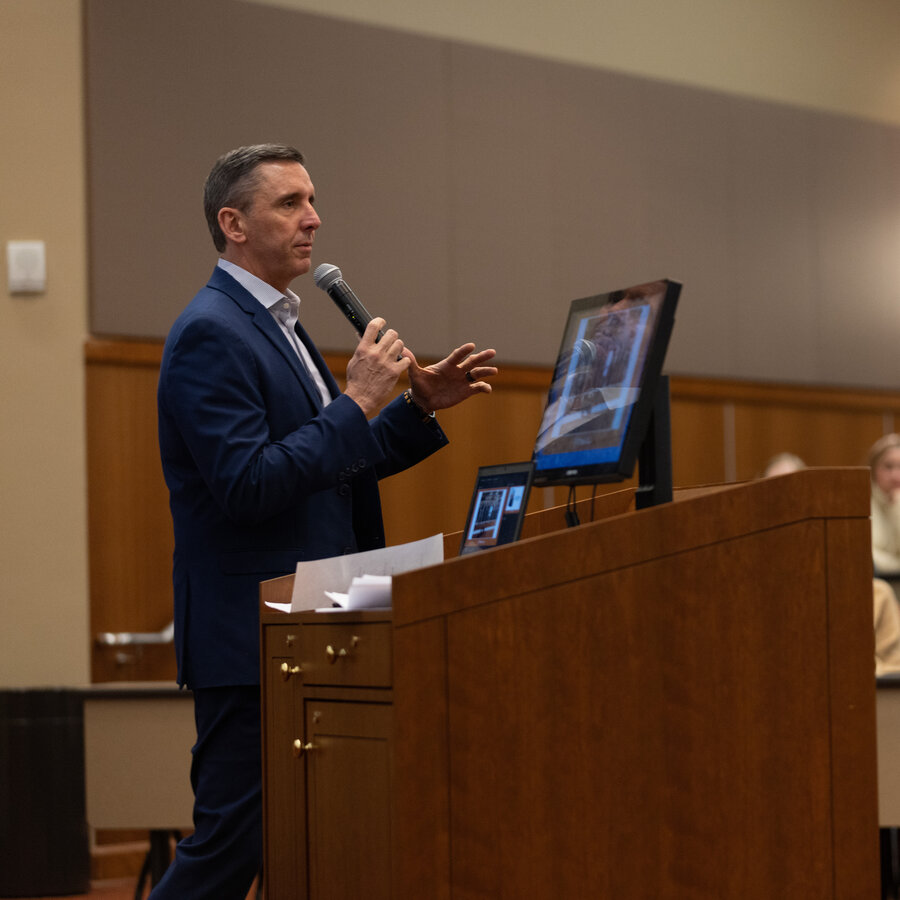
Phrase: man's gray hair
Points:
(234, 178)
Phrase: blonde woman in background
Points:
(884, 463)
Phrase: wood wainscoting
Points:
(722, 431)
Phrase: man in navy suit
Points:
(268, 463)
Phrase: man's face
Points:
(279, 227)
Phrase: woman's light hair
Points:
(880, 447)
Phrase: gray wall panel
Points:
(472, 193)
(366, 106)
(858, 313)
(775, 281)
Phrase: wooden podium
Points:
(671, 703)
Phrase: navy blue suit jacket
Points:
(260, 475)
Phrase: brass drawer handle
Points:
(300, 748)
(334, 655)
(287, 670)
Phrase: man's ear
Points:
(232, 224)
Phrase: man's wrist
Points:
(417, 406)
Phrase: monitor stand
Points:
(655, 457)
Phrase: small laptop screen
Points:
(498, 506)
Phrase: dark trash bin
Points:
(44, 848)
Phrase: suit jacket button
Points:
(344, 490)
(362, 463)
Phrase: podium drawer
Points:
(353, 654)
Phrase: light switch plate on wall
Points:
(26, 266)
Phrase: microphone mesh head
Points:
(326, 275)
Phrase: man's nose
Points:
(312, 220)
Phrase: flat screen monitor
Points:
(604, 384)
(497, 507)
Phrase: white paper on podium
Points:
(312, 579)
(366, 592)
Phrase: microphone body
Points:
(329, 279)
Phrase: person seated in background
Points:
(783, 464)
(887, 628)
(884, 464)
(885, 609)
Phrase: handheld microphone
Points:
(329, 279)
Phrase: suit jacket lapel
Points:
(264, 321)
(319, 360)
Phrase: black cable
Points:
(571, 514)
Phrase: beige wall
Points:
(43, 554)
(823, 54)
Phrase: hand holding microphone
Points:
(375, 367)
(454, 379)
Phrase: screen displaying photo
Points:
(611, 353)
(498, 506)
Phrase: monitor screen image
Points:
(604, 384)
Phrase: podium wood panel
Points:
(672, 703)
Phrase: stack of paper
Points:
(316, 579)
(366, 592)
